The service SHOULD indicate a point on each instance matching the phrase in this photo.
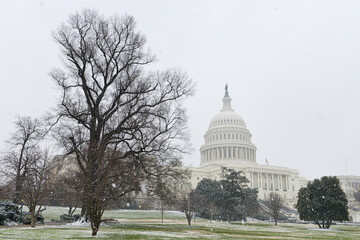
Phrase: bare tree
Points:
(166, 194)
(167, 186)
(274, 203)
(21, 145)
(66, 183)
(35, 183)
(188, 204)
(110, 107)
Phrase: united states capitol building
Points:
(228, 143)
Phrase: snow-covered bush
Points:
(10, 213)
(26, 218)
(2, 217)
(69, 218)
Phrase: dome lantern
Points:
(227, 101)
(227, 138)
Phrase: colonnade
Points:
(216, 153)
(269, 181)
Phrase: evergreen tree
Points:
(227, 199)
(209, 193)
(323, 201)
(233, 186)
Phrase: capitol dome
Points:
(227, 138)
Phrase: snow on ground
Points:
(203, 230)
(80, 222)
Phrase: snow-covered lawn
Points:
(141, 224)
(55, 212)
(199, 230)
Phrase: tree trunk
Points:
(188, 219)
(69, 213)
(96, 211)
(275, 221)
(32, 217)
(95, 224)
(85, 212)
(328, 224)
(162, 211)
(73, 211)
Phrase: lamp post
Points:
(21, 212)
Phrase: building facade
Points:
(351, 185)
(228, 144)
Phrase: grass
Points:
(55, 212)
(146, 225)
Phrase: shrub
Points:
(69, 218)
(9, 212)
(2, 217)
(26, 218)
(109, 220)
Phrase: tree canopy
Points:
(111, 108)
(228, 198)
(323, 201)
(274, 203)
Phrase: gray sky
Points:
(293, 69)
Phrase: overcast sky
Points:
(293, 69)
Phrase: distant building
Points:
(228, 143)
(350, 185)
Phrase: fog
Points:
(292, 68)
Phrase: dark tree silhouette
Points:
(35, 183)
(209, 192)
(21, 145)
(111, 109)
(189, 201)
(274, 203)
(233, 184)
(323, 201)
